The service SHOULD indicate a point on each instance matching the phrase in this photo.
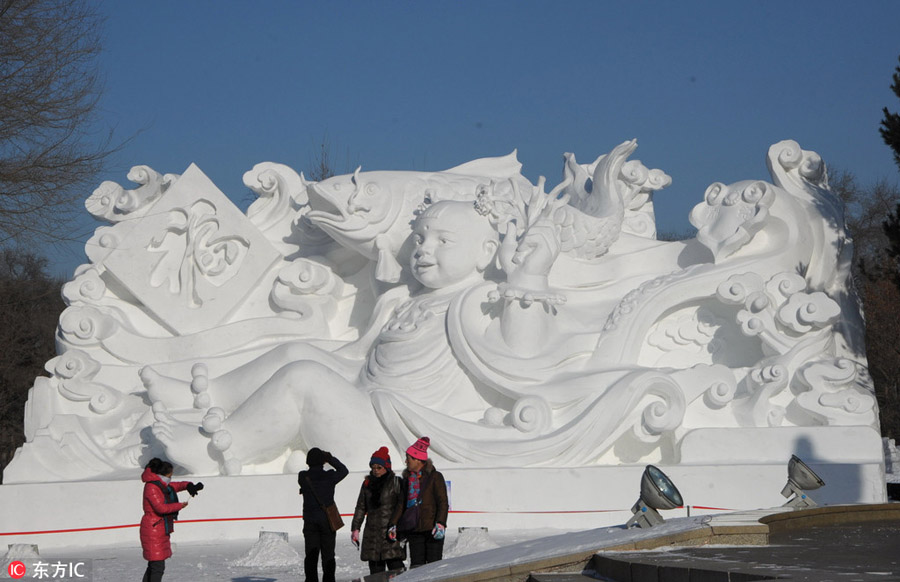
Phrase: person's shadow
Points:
(254, 579)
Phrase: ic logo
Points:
(16, 570)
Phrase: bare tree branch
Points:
(49, 91)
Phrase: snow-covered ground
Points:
(269, 559)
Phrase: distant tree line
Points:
(866, 209)
(875, 227)
(890, 133)
(50, 155)
(30, 304)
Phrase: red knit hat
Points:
(381, 457)
(419, 449)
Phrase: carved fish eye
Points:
(372, 189)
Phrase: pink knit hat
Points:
(419, 449)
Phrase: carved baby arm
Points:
(528, 302)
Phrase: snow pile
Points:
(471, 540)
(891, 461)
(26, 553)
(271, 550)
(21, 552)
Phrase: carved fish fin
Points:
(606, 200)
(387, 269)
(500, 167)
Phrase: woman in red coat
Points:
(161, 507)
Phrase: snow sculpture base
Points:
(238, 508)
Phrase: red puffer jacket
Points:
(154, 539)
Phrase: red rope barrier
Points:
(54, 531)
(712, 508)
(541, 512)
(220, 519)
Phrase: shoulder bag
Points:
(335, 522)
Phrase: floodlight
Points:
(657, 492)
(800, 479)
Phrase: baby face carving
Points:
(453, 244)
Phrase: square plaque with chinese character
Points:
(193, 258)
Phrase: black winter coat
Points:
(323, 483)
(375, 546)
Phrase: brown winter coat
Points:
(375, 546)
(433, 505)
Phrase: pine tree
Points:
(891, 228)
(890, 133)
(890, 125)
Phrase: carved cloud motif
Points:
(729, 216)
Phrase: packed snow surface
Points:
(269, 558)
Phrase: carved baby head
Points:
(452, 245)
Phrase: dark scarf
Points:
(375, 485)
(171, 497)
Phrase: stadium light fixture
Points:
(800, 480)
(657, 492)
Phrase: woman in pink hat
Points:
(422, 519)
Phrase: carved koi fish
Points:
(371, 212)
(601, 195)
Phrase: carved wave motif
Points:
(113, 203)
(303, 282)
(280, 192)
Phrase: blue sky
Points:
(705, 87)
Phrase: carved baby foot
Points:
(130, 456)
(213, 420)
(222, 440)
(171, 392)
(184, 443)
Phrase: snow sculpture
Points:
(515, 327)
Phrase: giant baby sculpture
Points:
(515, 327)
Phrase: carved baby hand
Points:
(527, 261)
